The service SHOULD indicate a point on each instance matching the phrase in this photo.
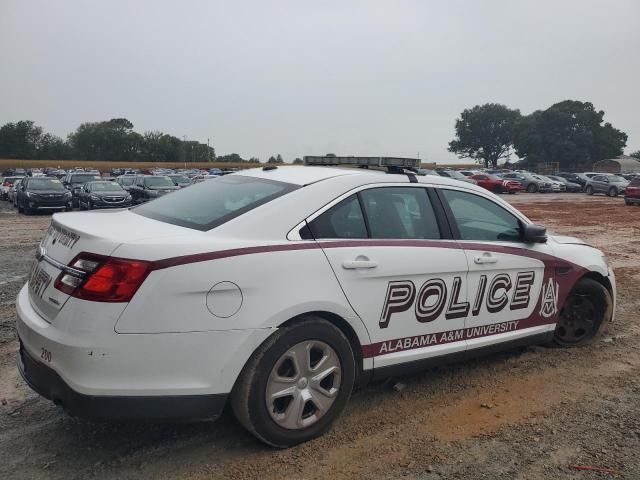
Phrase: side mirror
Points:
(532, 233)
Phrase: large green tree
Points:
(484, 133)
(110, 140)
(570, 133)
(20, 139)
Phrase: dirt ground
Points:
(524, 414)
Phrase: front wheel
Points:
(296, 383)
(589, 190)
(584, 311)
(532, 188)
(613, 192)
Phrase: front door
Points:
(506, 276)
(406, 283)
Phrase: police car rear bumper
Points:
(46, 382)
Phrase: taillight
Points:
(103, 279)
(7, 184)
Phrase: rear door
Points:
(399, 270)
(506, 276)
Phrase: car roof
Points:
(307, 175)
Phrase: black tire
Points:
(248, 397)
(19, 207)
(586, 309)
(89, 205)
(588, 190)
(612, 192)
(532, 188)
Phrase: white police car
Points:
(277, 290)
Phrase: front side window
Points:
(208, 204)
(481, 219)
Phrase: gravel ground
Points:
(524, 414)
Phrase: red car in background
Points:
(632, 192)
(496, 184)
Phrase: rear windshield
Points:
(44, 183)
(126, 181)
(179, 179)
(105, 186)
(158, 182)
(209, 204)
(83, 178)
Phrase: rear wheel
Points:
(613, 192)
(589, 190)
(584, 311)
(532, 188)
(296, 383)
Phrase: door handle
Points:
(361, 262)
(485, 258)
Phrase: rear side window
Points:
(399, 212)
(344, 220)
(481, 219)
(389, 213)
(209, 204)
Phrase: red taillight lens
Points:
(106, 280)
(7, 184)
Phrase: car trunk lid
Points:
(70, 234)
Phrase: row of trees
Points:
(112, 140)
(570, 133)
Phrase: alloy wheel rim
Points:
(303, 384)
(577, 319)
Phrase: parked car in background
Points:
(103, 194)
(579, 178)
(5, 185)
(148, 187)
(74, 182)
(469, 173)
(570, 187)
(496, 184)
(12, 195)
(556, 186)
(179, 180)
(632, 192)
(610, 184)
(126, 181)
(42, 193)
(202, 178)
(426, 171)
(530, 182)
(455, 175)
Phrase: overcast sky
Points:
(297, 77)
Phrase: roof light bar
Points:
(398, 162)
